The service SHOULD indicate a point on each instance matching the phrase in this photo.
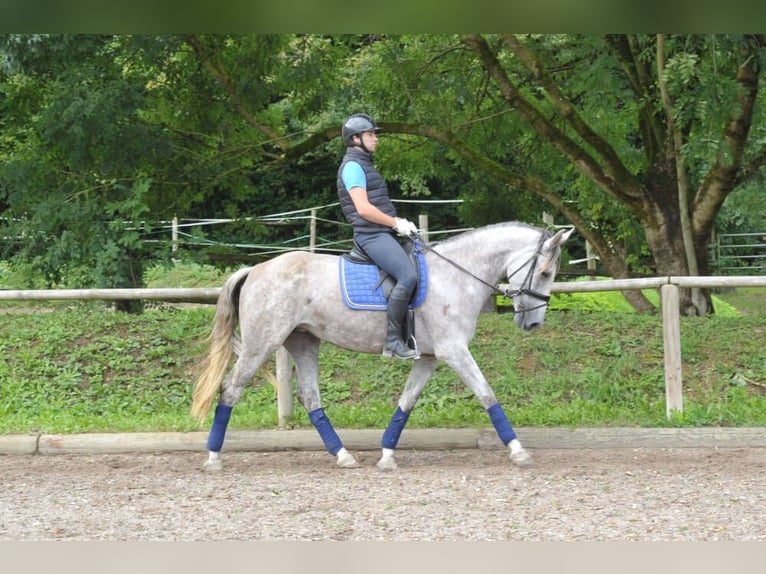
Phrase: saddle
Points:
(366, 287)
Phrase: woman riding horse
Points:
(365, 203)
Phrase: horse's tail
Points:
(224, 342)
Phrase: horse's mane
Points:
(470, 232)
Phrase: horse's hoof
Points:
(212, 466)
(347, 460)
(387, 464)
(522, 459)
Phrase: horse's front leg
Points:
(422, 370)
(304, 349)
(463, 363)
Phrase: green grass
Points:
(83, 368)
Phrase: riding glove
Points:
(405, 227)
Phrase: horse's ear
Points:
(561, 236)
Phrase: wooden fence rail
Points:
(669, 297)
(192, 295)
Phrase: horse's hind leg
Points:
(421, 371)
(231, 390)
(304, 349)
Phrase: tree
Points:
(106, 136)
(76, 178)
(678, 189)
(636, 140)
(619, 134)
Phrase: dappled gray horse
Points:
(294, 301)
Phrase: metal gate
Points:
(740, 254)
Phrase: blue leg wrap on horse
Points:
(218, 430)
(502, 424)
(325, 429)
(395, 428)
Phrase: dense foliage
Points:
(644, 143)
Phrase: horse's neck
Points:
(485, 252)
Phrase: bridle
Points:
(526, 286)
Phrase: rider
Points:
(367, 207)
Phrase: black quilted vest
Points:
(377, 193)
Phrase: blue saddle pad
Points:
(361, 288)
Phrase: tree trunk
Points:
(130, 276)
(674, 146)
(664, 237)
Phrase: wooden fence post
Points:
(671, 333)
(423, 226)
(284, 364)
(285, 408)
(313, 230)
(590, 255)
(174, 234)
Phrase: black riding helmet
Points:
(355, 125)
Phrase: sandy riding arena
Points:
(690, 494)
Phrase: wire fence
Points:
(733, 253)
(180, 232)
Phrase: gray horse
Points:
(294, 301)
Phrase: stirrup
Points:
(414, 345)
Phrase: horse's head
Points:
(530, 277)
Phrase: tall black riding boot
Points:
(397, 309)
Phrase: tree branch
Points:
(215, 68)
(640, 79)
(751, 168)
(314, 141)
(723, 177)
(625, 190)
(567, 110)
(531, 184)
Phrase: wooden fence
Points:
(669, 300)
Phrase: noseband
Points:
(526, 286)
(525, 289)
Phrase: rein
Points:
(506, 292)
